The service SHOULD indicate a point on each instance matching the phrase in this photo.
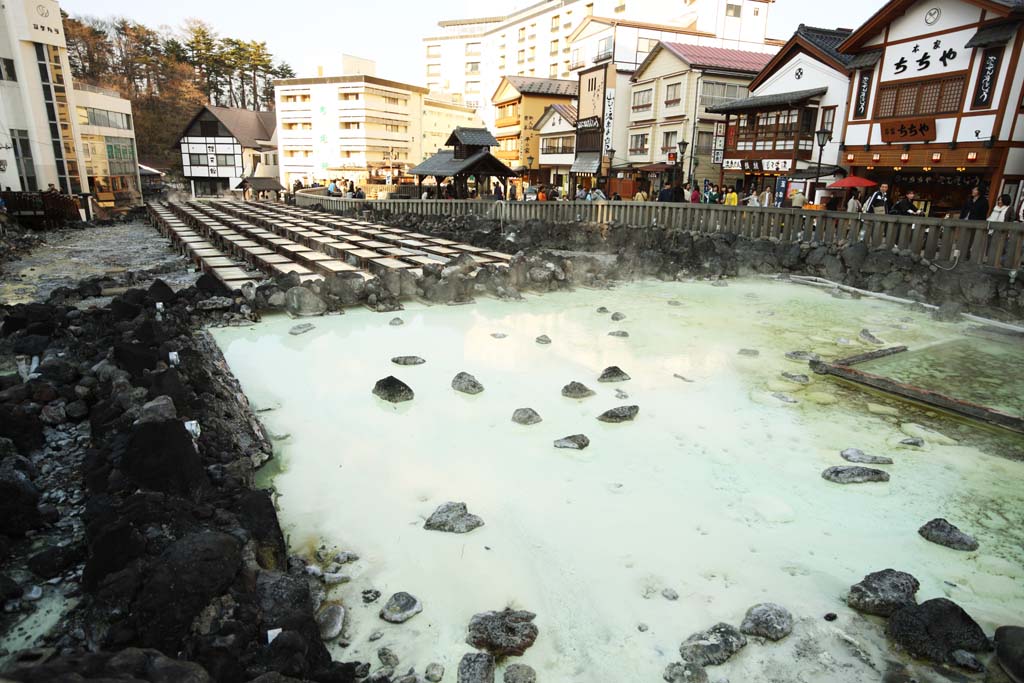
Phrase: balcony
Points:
(637, 151)
(507, 155)
(672, 103)
(506, 121)
(603, 55)
(575, 64)
(558, 149)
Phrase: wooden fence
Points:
(996, 245)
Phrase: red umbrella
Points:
(852, 181)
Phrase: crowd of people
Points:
(976, 207)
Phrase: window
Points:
(533, 52)
(392, 100)
(433, 69)
(553, 71)
(472, 87)
(197, 159)
(23, 160)
(668, 141)
(506, 111)
(554, 22)
(349, 96)
(522, 34)
(501, 63)
(937, 96)
(7, 70)
(705, 142)
(642, 99)
(672, 94)
(638, 144)
(553, 49)
(521, 56)
(757, 11)
(472, 49)
(351, 125)
(713, 93)
(472, 67)
(433, 51)
(394, 128)
(225, 159)
(604, 49)
(575, 61)
(732, 10)
(828, 118)
(645, 44)
(565, 144)
(208, 129)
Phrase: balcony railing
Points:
(642, 107)
(575, 63)
(603, 55)
(506, 121)
(558, 149)
(672, 103)
(639, 150)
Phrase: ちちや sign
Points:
(920, 129)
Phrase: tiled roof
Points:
(720, 57)
(445, 165)
(480, 137)
(864, 60)
(246, 125)
(544, 86)
(994, 34)
(768, 101)
(827, 40)
(567, 112)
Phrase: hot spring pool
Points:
(714, 491)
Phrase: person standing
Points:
(767, 197)
(640, 196)
(695, 195)
(879, 201)
(542, 195)
(1000, 210)
(798, 199)
(854, 205)
(905, 206)
(731, 197)
(976, 208)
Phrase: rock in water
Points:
(802, 356)
(713, 646)
(395, 322)
(795, 378)
(913, 442)
(618, 316)
(851, 474)
(915, 430)
(619, 414)
(602, 309)
(576, 441)
(783, 397)
(408, 360)
(387, 657)
(543, 339)
(1010, 651)
(159, 409)
(673, 302)
(685, 672)
(749, 353)
(476, 667)
(576, 390)
(299, 302)
(519, 673)
(453, 518)
(509, 632)
(466, 383)
(393, 390)
(767, 620)
(331, 621)
(302, 328)
(882, 593)
(498, 335)
(942, 532)
(526, 416)
(935, 629)
(859, 456)
(618, 333)
(866, 335)
(434, 672)
(613, 374)
(401, 607)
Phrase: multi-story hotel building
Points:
(80, 139)
(468, 57)
(359, 127)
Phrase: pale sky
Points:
(392, 31)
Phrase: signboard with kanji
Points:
(985, 86)
(921, 129)
(932, 56)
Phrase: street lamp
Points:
(682, 145)
(823, 135)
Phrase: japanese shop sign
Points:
(863, 95)
(934, 56)
(985, 87)
(731, 164)
(909, 130)
(43, 22)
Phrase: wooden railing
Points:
(996, 245)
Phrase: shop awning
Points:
(586, 162)
(785, 99)
(864, 60)
(994, 34)
(827, 171)
(656, 168)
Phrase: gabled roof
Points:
(768, 101)
(478, 137)
(895, 8)
(702, 57)
(445, 165)
(246, 125)
(820, 43)
(566, 111)
(529, 85)
(688, 30)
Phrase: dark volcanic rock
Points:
(400, 607)
(408, 360)
(767, 620)
(466, 383)
(526, 416)
(749, 353)
(619, 414)
(713, 646)
(162, 457)
(393, 390)
(613, 374)
(1010, 651)
(476, 667)
(935, 629)
(576, 390)
(859, 456)
(685, 672)
(618, 333)
(543, 339)
(850, 474)
(18, 500)
(618, 316)
(942, 532)
(509, 632)
(882, 593)
(575, 442)
(453, 518)
(54, 560)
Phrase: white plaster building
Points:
(221, 146)
(557, 130)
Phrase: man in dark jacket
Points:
(879, 201)
(976, 208)
(905, 206)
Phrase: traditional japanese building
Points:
(936, 100)
(557, 131)
(222, 146)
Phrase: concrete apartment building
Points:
(359, 127)
(466, 58)
(521, 102)
(77, 137)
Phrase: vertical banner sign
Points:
(985, 87)
(863, 95)
(780, 191)
(609, 118)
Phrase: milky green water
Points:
(714, 491)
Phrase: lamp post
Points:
(529, 169)
(682, 145)
(611, 162)
(823, 135)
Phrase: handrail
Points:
(994, 245)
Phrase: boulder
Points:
(796, 378)
(55, 560)
(749, 353)
(466, 383)
(160, 409)
(1010, 651)
(476, 667)
(408, 360)
(942, 532)
(526, 416)
(499, 335)
(576, 390)
(215, 303)
(852, 474)
(618, 316)
(767, 620)
(519, 673)
(935, 629)
(434, 672)
(685, 672)
(161, 456)
(393, 390)
(866, 336)
(882, 593)
(396, 322)
(19, 498)
(859, 456)
(400, 607)
(453, 518)
(331, 620)
(613, 374)
(505, 633)
(301, 328)
(619, 414)
(602, 309)
(802, 356)
(300, 302)
(575, 442)
(161, 292)
(618, 333)
(712, 646)
(543, 339)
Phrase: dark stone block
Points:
(161, 456)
